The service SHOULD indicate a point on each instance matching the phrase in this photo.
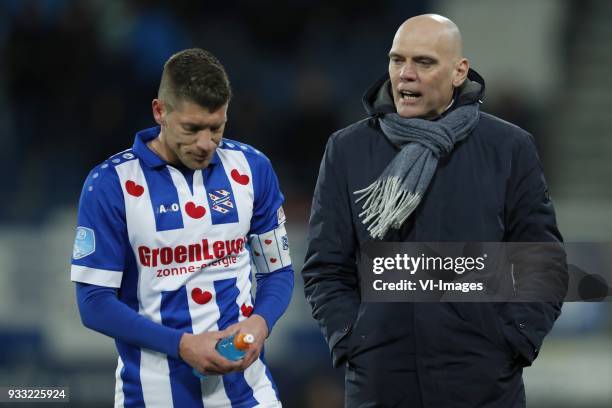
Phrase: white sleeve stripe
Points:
(100, 277)
(263, 254)
(285, 253)
(280, 258)
(261, 251)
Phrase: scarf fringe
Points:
(386, 206)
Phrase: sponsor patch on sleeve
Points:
(84, 243)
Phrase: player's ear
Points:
(158, 111)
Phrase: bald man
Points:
(426, 165)
(426, 65)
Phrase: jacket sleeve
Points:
(539, 270)
(330, 270)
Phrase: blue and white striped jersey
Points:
(181, 246)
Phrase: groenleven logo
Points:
(195, 252)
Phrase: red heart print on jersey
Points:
(273, 260)
(134, 189)
(240, 178)
(257, 253)
(194, 211)
(268, 241)
(201, 297)
(246, 310)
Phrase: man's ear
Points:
(159, 112)
(461, 72)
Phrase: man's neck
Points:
(448, 107)
(450, 104)
(158, 147)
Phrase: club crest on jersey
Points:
(221, 201)
(84, 243)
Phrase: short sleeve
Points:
(100, 243)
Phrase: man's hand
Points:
(199, 352)
(257, 326)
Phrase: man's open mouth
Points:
(409, 95)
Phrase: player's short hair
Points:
(197, 76)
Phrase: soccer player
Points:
(168, 234)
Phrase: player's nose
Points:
(407, 73)
(205, 141)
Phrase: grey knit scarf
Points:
(397, 192)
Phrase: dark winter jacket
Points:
(490, 188)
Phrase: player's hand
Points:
(257, 326)
(199, 352)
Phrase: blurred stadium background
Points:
(76, 81)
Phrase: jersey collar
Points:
(148, 156)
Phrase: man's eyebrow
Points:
(424, 58)
(197, 126)
(393, 54)
(191, 126)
